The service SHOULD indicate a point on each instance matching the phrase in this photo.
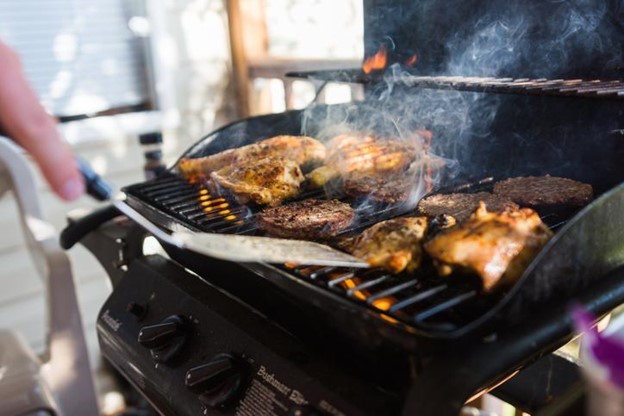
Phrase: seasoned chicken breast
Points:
(496, 246)
(302, 150)
(352, 156)
(267, 181)
(393, 244)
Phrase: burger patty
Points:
(380, 189)
(545, 191)
(461, 205)
(310, 219)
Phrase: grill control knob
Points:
(219, 381)
(165, 340)
(137, 309)
(304, 411)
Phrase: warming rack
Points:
(582, 88)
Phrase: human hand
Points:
(23, 119)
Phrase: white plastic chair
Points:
(59, 381)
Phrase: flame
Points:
(215, 207)
(411, 61)
(352, 283)
(206, 202)
(377, 61)
(384, 303)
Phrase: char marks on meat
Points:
(352, 157)
(388, 190)
(545, 191)
(310, 219)
(496, 246)
(461, 205)
(302, 150)
(393, 244)
(267, 181)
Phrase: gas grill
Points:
(198, 335)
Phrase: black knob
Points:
(219, 381)
(304, 411)
(137, 310)
(165, 339)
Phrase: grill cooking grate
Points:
(421, 298)
(612, 89)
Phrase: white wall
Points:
(192, 66)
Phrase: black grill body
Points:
(294, 361)
(439, 308)
(505, 92)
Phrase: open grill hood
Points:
(420, 304)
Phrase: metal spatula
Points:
(247, 249)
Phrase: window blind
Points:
(80, 55)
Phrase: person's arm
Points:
(24, 120)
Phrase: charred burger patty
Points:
(545, 191)
(462, 205)
(310, 219)
(388, 190)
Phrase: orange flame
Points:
(376, 62)
(411, 61)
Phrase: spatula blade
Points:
(250, 249)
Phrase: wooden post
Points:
(248, 41)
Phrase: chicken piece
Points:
(393, 244)
(496, 246)
(267, 181)
(359, 156)
(302, 150)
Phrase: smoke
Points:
(534, 39)
(516, 39)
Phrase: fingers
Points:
(24, 120)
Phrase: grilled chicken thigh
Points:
(496, 246)
(393, 244)
(302, 150)
(267, 181)
(360, 156)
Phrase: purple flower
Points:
(607, 351)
